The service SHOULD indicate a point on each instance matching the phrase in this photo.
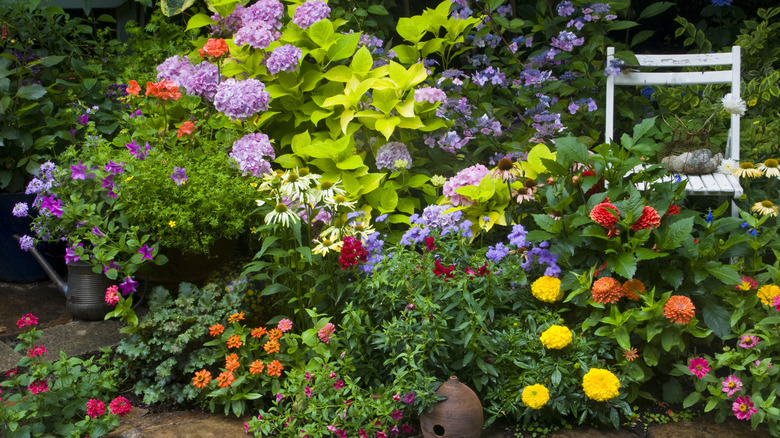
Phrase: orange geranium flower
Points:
(234, 341)
(606, 290)
(214, 47)
(165, 90)
(274, 334)
(275, 368)
(632, 289)
(231, 362)
(272, 346)
(258, 332)
(187, 128)
(256, 367)
(238, 316)
(133, 87)
(226, 379)
(201, 379)
(679, 309)
(216, 329)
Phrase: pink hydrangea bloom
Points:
(470, 176)
(699, 367)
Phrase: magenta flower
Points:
(39, 386)
(78, 171)
(28, 319)
(37, 350)
(396, 415)
(279, 397)
(128, 286)
(776, 303)
(71, 255)
(307, 391)
(112, 295)
(120, 406)
(743, 408)
(146, 251)
(308, 376)
(731, 384)
(95, 408)
(114, 168)
(748, 341)
(409, 398)
(325, 332)
(699, 367)
(339, 384)
(179, 175)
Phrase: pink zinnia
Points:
(748, 341)
(746, 283)
(699, 367)
(95, 408)
(325, 332)
(731, 384)
(776, 303)
(120, 406)
(112, 295)
(26, 320)
(284, 325)
(743, 408)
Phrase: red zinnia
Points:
(605, 214)
(607, 290)
(649, 219)
(672, 210)
(679, 309)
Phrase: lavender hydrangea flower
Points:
(267, 11)
(284, 58)
(613, 69)
(310, 12)
(466, 177)
(241, 99)
(565, 8)
(179, 175)
(226, 26)
(390, 153)
(201, 80)
(26, 242)
(496, 253)
(20, 209)
(173, 68)
(566, 41)
(434, 216)
(249, 152)
(430, 95)
(258, 34)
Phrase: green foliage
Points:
(65, 386)
(167, 346)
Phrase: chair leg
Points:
(734, 209)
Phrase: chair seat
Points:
(712, 184)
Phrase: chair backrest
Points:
(659, 76)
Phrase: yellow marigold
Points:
(547, 289)
(768, 293)
(556, 337)
(536, 396)
(633, 288)
(606, 290)
(600, 384)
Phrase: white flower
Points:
(281, 214)
(733, 104)
(727, 166)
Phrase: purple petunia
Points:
(258, 34)
(241, 99)
(146, 251)
(310, 12)
(136, 150)
(390, 153)
(250, 151)
(71, 255)
(114, 168)
(284, 58)
(128, 286)
(78, 171)
(20, 209)
(179, 175)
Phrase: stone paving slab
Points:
(189, 424)
(8, 357)
(77, 338)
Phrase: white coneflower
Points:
(326, 245)
(770, 168)
(765, 208)
(293, 185)
(340, 201)
(281, 214)
(506, 170)
(747, 170)
(733, 104)
(728, 166)
(327, 190)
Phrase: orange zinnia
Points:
(258, 332)
(630, 354)
(274, 334)
(275, 368)
(201, 379)
(238, 316)
(679, 309)
(231, 362)
(256, 367)
(133, 87)
(226, 379)
(272, 346)
(606, 290)
(216, 329)
(234, 341)
(632, 289)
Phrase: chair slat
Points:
(693, 60)
(694, 184)
(674, 78)
(711, 187)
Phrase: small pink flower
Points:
(339, 384)
(743, 408)
(308, 376)
(112, 295)
(246, 428)
(731, 384)
(284, 325)
(748, 341)
(36, 351)
(409, 398)
(38, 386)
(120, 406)
(279, 397)
(776, 303)
(396, 415)
(26, 320)
(307, 391)
(397, 397)
(332, 375)
(325, 332)
(699, 367)
(746, 283)
(95, 408)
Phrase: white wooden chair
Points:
(664, 70)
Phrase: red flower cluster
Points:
(649, 219)
(120, 406)
(165, 90)
(186, 128)
(352, 252)
(430, 244)
(214, 47)
(26, 320)
(481, 272)
(440, 270)
(133, 87)
(605, 214)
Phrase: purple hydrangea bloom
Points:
(26, 242)
(267, 11)
(179, 175)
(496, 253)
(226, 26)
(430, 95)
(451, 141)
(258, 34)
(565, 8)
(470, 176)
(389, 153)
(613, 69)
(434, 216)
(249, 152)
(517, 236)
(20, 209)
(241, 99)
(201, 80)
(284, 58)
(566, 41)
(546, 125)
(310, 12)
(173, 68)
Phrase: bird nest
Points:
(690, 151)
